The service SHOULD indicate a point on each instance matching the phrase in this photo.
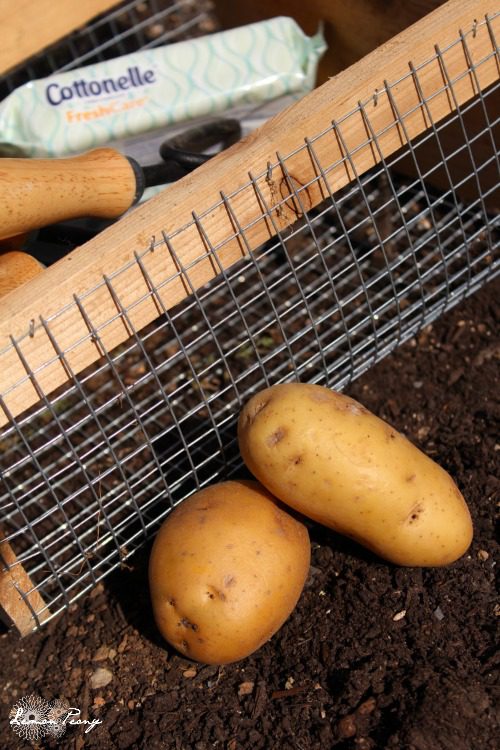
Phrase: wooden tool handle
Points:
(38, 192)
(16, 268)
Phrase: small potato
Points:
(226, 570)
(328, 457)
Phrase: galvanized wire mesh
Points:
(130, 26)
(89, 473)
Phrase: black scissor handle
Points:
(187, 149)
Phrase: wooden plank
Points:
(114, 249)
(352, 30)
(28, 26)
(13, 580)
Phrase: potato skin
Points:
(226, 570)
(328, 457)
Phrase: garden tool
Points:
(101, 183)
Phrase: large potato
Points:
(226, 569)
(327, 456)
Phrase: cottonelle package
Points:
(141, 92)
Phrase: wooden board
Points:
(352, 30)
(82, 270)
(28, 26)
(13, 580)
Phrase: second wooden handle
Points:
(38, 192)
(16, 268)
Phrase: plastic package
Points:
(151, 89)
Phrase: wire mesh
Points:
(88, 474)
(132, 25)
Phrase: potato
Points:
(328, 457)
(226, 570)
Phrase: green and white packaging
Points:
(74, 111)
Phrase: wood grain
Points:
(28, 26)
(354, 29)
(37, 192)
(81, 271)
(16, 268)
(13, 580)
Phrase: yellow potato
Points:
(328, 457)
(226, 570)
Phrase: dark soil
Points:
(374, 656)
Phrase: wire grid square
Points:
(90, 472)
